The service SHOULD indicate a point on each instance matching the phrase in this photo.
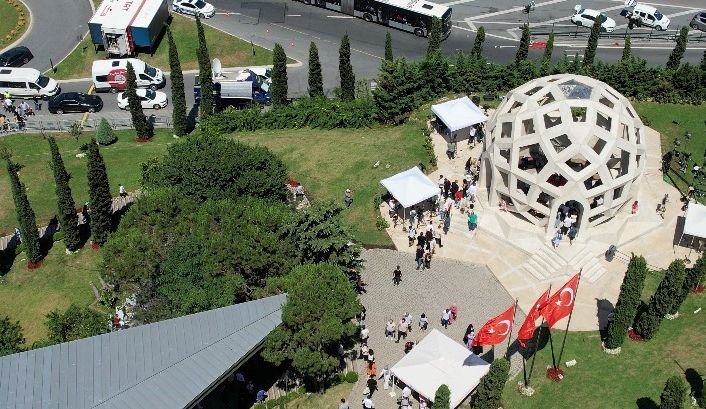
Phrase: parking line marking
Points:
(512, 10)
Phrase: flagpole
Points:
(570, 314)
(536, 340)
(509, 336)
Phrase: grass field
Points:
(11, 29)
(633, 379)
(232, 51)
(123, 161)
(28, 295)
(331, 398)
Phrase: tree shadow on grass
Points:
(646, 403)
(696, 382)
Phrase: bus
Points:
(413, 16)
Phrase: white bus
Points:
(413, 16)
(27, 83)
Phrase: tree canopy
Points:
(75, 323)
(11, 338)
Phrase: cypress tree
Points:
(627, 49)
(65, 201)
(674, 393)
(523, 48)
(178, 95)
(434, 44)
(679, 49)
(101, 201)
(490, 389)
(388, 47)
(695, 276)
(386, 94)
(648, 322)
(345, 70)
(25, 216)
(458, 80)
(628, 302)
(477, 50)
(316, 82)
(589, 56)
(548, 50)
(442, 398)
(139, 121)
(279, 76)
(205, 73)
(690, 275)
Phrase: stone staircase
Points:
(545, 263)
(588, 263)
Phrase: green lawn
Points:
(330, 399)
(232, 51)
(11, 28)
(28, 295)
(600, 381)
(123, 161)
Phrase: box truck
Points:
(122, 26)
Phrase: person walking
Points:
(419, 257)
(427, 260)
(566, 225)
(37, 103)
(385, 376)
(572, 234)
(447, 186)
(397, 276)
(472, 220)
(421, 240)
(423, 322)
(445, 317)
(635, 207)
(401, 330)
(469, 335)
(390, 328)
(372, 385)
(557, 239)
(408, 320)
(368, 403)
(364, 334)
(437, 236)
(471, 192)
(411, 234)
(344, 404)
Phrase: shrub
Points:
(442, 398)
(673, 395)
(648, 322)
(381, 223)
(351, 377)
(490, 389)
(104, 133)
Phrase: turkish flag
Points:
(562, 302)
(496, 329)
(526, 331)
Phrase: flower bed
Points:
(13, 10)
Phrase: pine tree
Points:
(434, 45)
(627, 49)
(178, 96)
(386, 94)
(460, 74)
(388, 47)
(548, 50)
(628, 302)
(25, 215)
(648, 322)
(345, 70)
(523, 48)
(679, 49)
(205, 73)
(101, 201)
(589, 56)
(65, 201)
(477, 50)
(442, 398)
(316, 82)
(139, 121)
(279, 76)
(674, 393)
(490, 389)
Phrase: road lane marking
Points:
(319, 38)
(340, 16)
(456, 2)
(294, 15)
(512, 10)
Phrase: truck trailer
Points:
(122, 26)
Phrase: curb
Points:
(27, 31)
(93, 11)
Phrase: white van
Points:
(650, 17)
(27, 83)
(111, 75)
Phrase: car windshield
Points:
(150, 94)
(603, 18)
(200, 4)
(151, 71)
(42, 81)
(658, 15)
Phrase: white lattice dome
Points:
(563, 138)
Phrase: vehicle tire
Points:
(367, 17)
(153, 87)
(419, 32)
(25, 61)
(91, 110)
(59, 111)
(202, 16)
(660, 28)
(307, 2)
(693, 27)
(113, 90)
(156, 106)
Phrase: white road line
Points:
(229, 13)
(512, 10)
(513, 33)
(340, 16)
(453, 3)
(294, 15)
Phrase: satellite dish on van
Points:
(217, 68)
(577, 8)
(630, 3)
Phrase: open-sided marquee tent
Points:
(437, 360)
(695, 221)
(458, 113)
(410, 187)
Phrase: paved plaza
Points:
(472, 287)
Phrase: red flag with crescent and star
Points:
(496, 329)
(526, 331)
(561, 303)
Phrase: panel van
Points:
(111, 75)
(27, 83)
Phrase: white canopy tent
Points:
(437, 360)
(695, 221)
(458, 113)
(410, 187)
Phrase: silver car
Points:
(699, 22)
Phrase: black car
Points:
(15, 57)
(75, 102)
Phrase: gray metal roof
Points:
(168, 364)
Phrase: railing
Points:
(64, 125)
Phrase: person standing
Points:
(385, 376)
(401, 330)
(372, 385)
(421, 240)
(37, 103)
(471, 192)
(437, 236)
(397, 276)
(441, 183)
(566, 225)
(423, 322)
(445, 317)
(411, 234)
(635, 207)
(368, 403)
(364, 334)
(348, 198)
(472, 220)
(572, 234)
(557, 239)
(454, 188)
(408, 320)
(390, 328)
(122, 191)
(419, 257)
(447, 186)
(344, 404)
(427, 260)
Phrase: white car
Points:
(586, 18)
(194, 8)
(148, 99)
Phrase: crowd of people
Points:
(16, 115)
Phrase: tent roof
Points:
(410, 187)
(459, 113)
(437, 360)
(695, 223)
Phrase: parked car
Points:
(148, 99)
(15, 57)
(586, 18)
(645, 15)
(75, 102)
(194, 8)
(699, 21)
